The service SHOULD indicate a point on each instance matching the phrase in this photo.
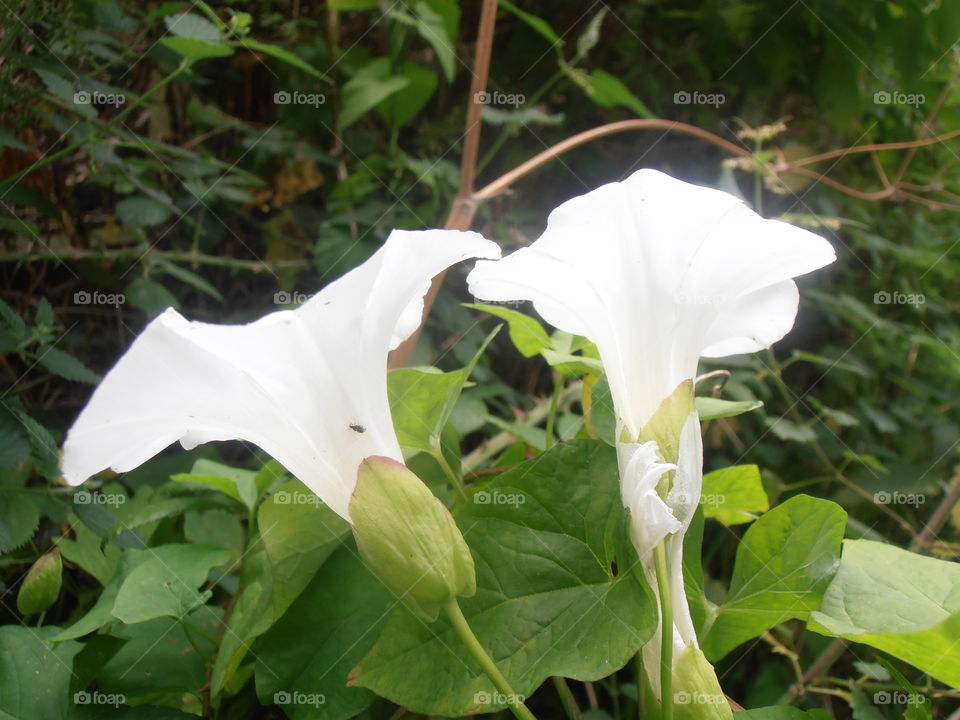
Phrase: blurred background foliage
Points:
(227, 159)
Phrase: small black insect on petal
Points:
(357, 427)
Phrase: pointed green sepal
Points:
(409, 539)
(667, 422)
(696, 690)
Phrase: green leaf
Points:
(899, 602)
(41, 587)
(734, 495)
(299, 533)
(284, 55)
(142, 212)
(342, 612)
(101, 613)
(401, 107)
(35, 675)
(352, 4)
(781, 712)
(607, 91)
(64, 89)
(214, 528)
(14, 446)
(535, 437)
(433, 29)
(44, 449)
(86, 552)
(784, 564)
(598, 410)
(150, 296)
(527, 334)
(188, 25)
(19, 519)
(45, 316)
(193, 50)
(237, 483)
(166, 583)
(541, 26)
(713, 408)
(789, 430)
(8, 139)
(547, 601)
(163, 659)
(421, 402)
(371, 85)
(190, 278)
(66, 366)
(573, 365)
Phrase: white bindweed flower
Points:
(308, 386)
(659, 273)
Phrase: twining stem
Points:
(455, 480)
(466, 635)
(552, 415)
(666, 632)
(567, 699)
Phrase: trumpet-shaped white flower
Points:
(308, 386)
(659, 273)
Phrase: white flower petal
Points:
(655, 271)
(651, 519)
(753, 321)
(308, 385)
(683, 499)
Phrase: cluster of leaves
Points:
(262, 148)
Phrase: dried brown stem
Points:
(461, 215)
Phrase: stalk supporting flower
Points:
(462, 628)
(659, 273)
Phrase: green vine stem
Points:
(462, 628)
(666, 632)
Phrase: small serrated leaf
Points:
(66, 366)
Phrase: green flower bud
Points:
(696, 691)
(409, 538)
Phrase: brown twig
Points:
(940, 515)
(925, 128)
(461, 215)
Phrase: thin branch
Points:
(461, 214)
(505, 181)
(874, 147)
